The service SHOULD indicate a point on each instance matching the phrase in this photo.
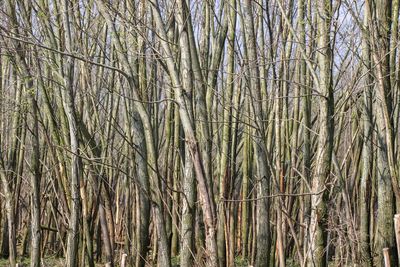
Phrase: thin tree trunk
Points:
(263, 173)
(224, 167)
(106, 236)
(365, 183)
(319, 212)
(69, 108)
(188, 183)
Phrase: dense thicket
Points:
(199, 133)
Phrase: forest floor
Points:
(60, 262)
(46, 262)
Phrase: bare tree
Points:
(199, 133)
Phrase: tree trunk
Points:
(319, 213)
(263, 172)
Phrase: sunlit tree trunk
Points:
(366, 173)
(319, 210)
(188, 181)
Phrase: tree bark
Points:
(319, 212)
